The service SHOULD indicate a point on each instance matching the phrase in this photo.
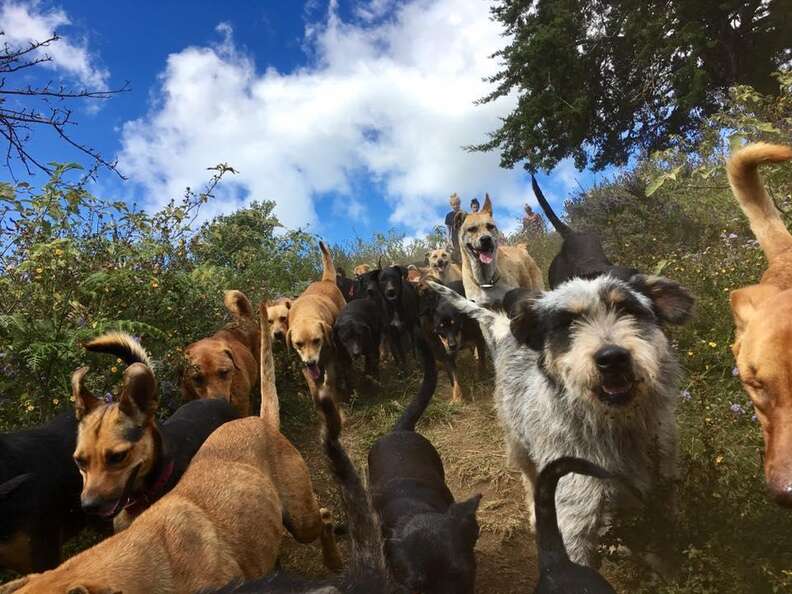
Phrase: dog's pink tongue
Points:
(485, 257)
(314, 371)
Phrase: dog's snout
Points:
(486, 242)
(781, 489)
(390, 293)
(612, 358)
(92, 505)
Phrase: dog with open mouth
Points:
(489, 269)
(587, 370)
(441, 266)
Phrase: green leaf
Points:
(736, 141)
(655, 184)
(658, 270)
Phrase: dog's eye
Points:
(198, 380)
(753, 383)
(81, 462)
(114, 458)
(316, 341)
(223, 373)
(283, 319)
(472, 229)
(299, 345)
(271, 321)
(490, 227)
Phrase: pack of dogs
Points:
(585, 385)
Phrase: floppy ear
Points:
(745, 302)
(464, 514)
(487, 205)
(288, 338)
(327, 332)
(230, 354)
(139, 398)
(9, 487)
(84, 400)
(672, 303)
(526, 326)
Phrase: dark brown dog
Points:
(225, 365)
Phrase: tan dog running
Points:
(278, 316)
(310, 333)
(223, 521)
(763, 317)
(490, 270)
(225, 365)
(441, 266)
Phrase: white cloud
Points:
(392, 102)
(26, 22)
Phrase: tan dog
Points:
(490, 270)
(278, 317)
(763, 317)
(361, 269)
(441, 266)
(225, 365)
(310, 333)
(223, 521)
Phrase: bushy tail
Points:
(270, 406)
(121, 345)
(560, 226)
(549, 541)
(418, 404)
(766, 222)
(364, 530)
(328, 268)
(238, 304)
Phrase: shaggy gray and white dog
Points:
(586, 370)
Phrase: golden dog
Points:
(225, 365)
(278, 316)
(490, 270)
(223, 521)
(310, 333)
(763, 317)
(361, 269)
(441, 266)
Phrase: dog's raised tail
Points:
(549, 541)
(766, 222)
(120, 344)
(328, 268)
(559, 225)
(238, 304)
(415, 409)
(270, 406)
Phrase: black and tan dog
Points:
(126, 459)
(358, 330)
(581, 254)
(39, 494)
(429, 539)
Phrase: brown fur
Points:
(311, 320)
(762, 349)
(361, 269)
(511, 267)
(277, 313)
(441, 266)
(223, 521)
(225, 365)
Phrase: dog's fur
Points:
(587, 370)
(360, 270)
(358, 330)
(126, 460)
(489, 270)
(763, 317)
(223, 521)
(278, 317)
(581, 254)
(310, 334)
(347, 286)
(441, 266)
(39, 494)
(225, 365)
(400, 301)
(429, 539)
(557, 574)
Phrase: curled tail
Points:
(549, 541)
(270, 406)
(238, 304)
(328, 268)
(122, 345)
(560, 226)
(766, 222)
(364, 529)
(418, 404)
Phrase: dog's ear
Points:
(230, 354)
(745, 302)
(327, 333)
(525, 323)
(84, 400)
(487, 205)
(464, 516)
(672, 303)
(287, 303)
(288, 338)
(12, 486)
(139, 398)
(15, 585)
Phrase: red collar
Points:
(139, 504)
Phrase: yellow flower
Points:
(690, 353)
(55, 401)
(119, 361)
(114, 369)
(30, 407)
(719, 459)
(154, 284)
(39, 270)
(712, 344)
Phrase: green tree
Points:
(600, 81)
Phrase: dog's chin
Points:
(616, 392)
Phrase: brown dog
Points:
(763, 317)
(490, 270)
(278, 317)
(441, 266)
(310, 333)
(225, 365)
(223, 521)
(361, 269)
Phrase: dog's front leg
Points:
(450, 365)
(581, 514)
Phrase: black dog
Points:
(358, 328)
(429, 538)
(557, 574)
(400, 300)
(39, 494)
(347, 286)
(581, 254)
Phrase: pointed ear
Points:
(139, 398)
(487, 205)
(672, 303)
(84, 400)
(426, 257)
(287, 303)
(746, 301)
(464, 515)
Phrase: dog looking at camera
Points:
(278, 317)
(763, 317)
(489, 269)
(441, 266)
(586, 370)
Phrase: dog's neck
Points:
(486, 275)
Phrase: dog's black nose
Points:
(612, 358)
(486, 243)
(91, 506)
(390, 293)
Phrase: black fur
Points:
(400, 300)
(349, 287)
(358, 330)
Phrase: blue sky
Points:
(350, 115)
